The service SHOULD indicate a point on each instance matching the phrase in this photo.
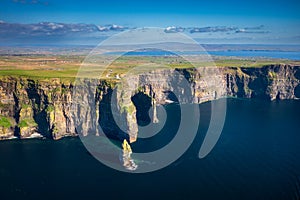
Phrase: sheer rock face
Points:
(50, 107)
(269, 82)
(7, 107)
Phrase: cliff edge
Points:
(30, 108)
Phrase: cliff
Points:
(31, 107)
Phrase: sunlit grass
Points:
(66, 67)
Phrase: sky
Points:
(256, 21)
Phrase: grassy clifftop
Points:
(66, 66)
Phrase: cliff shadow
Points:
(39, 102)
(106, 120)
(297, 91)
(142, 103)
(297, 73)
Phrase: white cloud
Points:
(173, 29)
(111, 27)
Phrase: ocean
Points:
(256, 157)
(271, 54)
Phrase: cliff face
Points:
(270, 82)
(31, 108)
(35, 107)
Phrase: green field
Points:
(66, 66)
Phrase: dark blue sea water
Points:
(291, 55)
(257, 157)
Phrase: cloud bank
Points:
(215, 29)
(53, 29)
(49, 32)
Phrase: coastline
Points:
(45, 107)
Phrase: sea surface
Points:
(256, 157)
(271, 54)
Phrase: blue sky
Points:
(280, 18)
